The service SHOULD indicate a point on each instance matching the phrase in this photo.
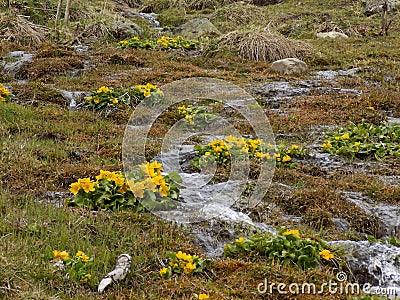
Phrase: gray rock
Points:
(14, 61)
(125, 29)
(289, 66)
(196, 28)
(331, 35)
(375, 6)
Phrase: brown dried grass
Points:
(15, 28)
(261, 45)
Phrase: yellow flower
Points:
(118, 179)
(295, 147)
(89, 98)
(104, 89)
(82, 256)
(371, 108)
(164, 190)
(292, 232)
(2, 99)
(115, 100)
(259, 155)
(357, 144)
(326, 254)
(75, 187)
(204, 297)
(149, 184)
(163, 271)
(189, 268)
(345, 136)
(135, 38)
(96, 100)
(337, 138)
(86, 278)
(267, 156)
(182, 107)
(61, 255)
(207, 153)
(240, 240)
(147, 93)
(87, 184)
(286, 158)
(326, 145)
(138, 189)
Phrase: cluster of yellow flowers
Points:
(187, 114)
(74, 264)
(203, 297)
(252, 147)
(167, 42)
(82, 256)
(154, 180)
(63, 255)
(103, 95)
(181, 262)
(146, 90)
(5, 94)
(119, 179)
(83, 183)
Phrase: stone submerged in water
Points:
(14, 61)
(199, 27)
(289, 66)
(331, 35)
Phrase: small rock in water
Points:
(289, 66)
(15, 60)
(375, 264)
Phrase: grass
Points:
(45, 146)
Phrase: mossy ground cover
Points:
(45, 147)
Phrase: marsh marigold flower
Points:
(204, 297)
(163, 271)
(61, 255)
(326, 254)
(292, 232)
(345, 136)
(240, 240)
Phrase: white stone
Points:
(289, 66)
(331, 35)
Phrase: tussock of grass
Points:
(259, 45)
(15, 28)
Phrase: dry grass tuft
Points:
(260, 45)
(18, 29)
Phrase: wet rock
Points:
(200, 27)
(275, 93)
(387, 215)
(15, 60)
(73, 97)
(125, 29)
(330, 74)
(331, 35)
(375, 6)
(289, 66)
(150, 17)
(376, 264)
